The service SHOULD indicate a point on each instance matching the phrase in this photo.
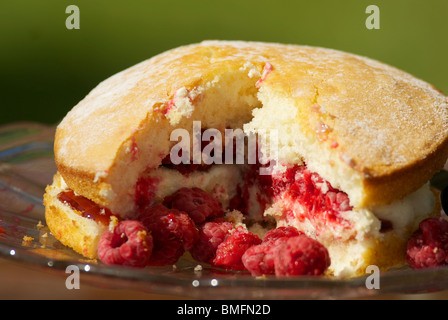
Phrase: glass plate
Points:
(26, 167)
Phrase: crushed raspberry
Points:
(145, 191)
(334, 144)
(199, 205)
(86, 207)
(301, 255)
(428, 246)
(322, 202)
(168, 106)
(173, 232)
(230, 252)
(211, 235)
(266, 70)
(259, 259)
(130, 244)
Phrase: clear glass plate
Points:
(26, 167)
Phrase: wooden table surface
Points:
(18, 282)
(21, 282)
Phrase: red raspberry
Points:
(166, 253)
(428, 246)
(130, 244)
(230, 252)
(211, 235)
(196, 202)
(259, 260)
(301, 255)
(281, 232)
(173, 232)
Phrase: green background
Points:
(46, 68)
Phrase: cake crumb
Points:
(99, 175)
(253, 71)
(113, 223)
(198, 268)
(26, 242)
(142, 235)
(27, 239)
(236, 217)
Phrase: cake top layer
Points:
(380, 121)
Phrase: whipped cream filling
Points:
(402, 213)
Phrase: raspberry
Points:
(230, 252)
(166, 253)
(428, 246)
(259, 260)
(281, 232)
(211, 235)
(301, 255)
(322, 203)
(173, 232)
(129, 244)
(196, 202)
